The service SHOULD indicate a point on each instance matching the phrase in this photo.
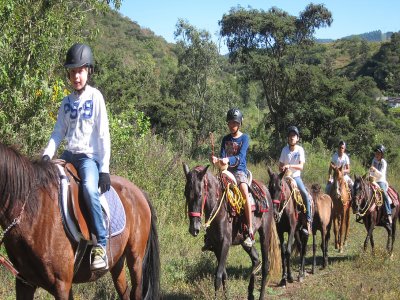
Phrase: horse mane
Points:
(21, 179)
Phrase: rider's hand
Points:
(214, 159)
(104, 182)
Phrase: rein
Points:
(369, 201)
(281, 197)
(214, 211)
(3, 260)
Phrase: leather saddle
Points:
(75, 202)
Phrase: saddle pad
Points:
(113, 211)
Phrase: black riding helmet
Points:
(380, 148)
(79, 55)
(234, 114)
(342, 143)
(293, 129)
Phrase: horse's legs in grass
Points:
(119, 279)
(24, 291)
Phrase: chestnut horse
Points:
(341, 197)
(42, 252)
(288, 220)
(322, 221)
(203, 192)
(365, 199)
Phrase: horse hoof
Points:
(290, 279)
(282, 283)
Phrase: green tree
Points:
(268, 44)
(384, 66)
(35, 36)
(195, 83)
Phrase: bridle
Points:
(203, 200)
(277, 202)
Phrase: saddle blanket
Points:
(113, 211)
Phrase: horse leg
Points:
(24, 291)
(347, 222)
(135, 271)
(314, 248)
(290, 244)
(283, 259)
(336, 231)
(220, 275)
(342, 230)
(324, 246)
(256, 264)
(119, 279)
(303, 250)
(389, 244)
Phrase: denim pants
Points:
(384, 187)
(88, 171)
(304, 195)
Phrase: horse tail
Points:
(151, 261)
(274, 252)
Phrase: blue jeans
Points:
(88, 171)
(304, 195)
(384, 187)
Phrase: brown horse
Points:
(365, 203)
(288, 220)
(322, 221)
(341, 197)
(203, 192)
(42, 253)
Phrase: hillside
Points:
(373, 36)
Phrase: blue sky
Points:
(349, 17)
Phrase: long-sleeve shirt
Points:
(381, 167)
(82, 120)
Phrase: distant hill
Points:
(373, 36)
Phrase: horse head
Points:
(275, 188)
(358, 193)
(196, 195)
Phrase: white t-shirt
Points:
(293, 158)
(381, 167)
(82, 120)
(340, 161)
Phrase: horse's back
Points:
(324, 207)
(136, 205)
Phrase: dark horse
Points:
(288, 220)
(42, 253)
(341, 197)
(365, 200)
(203, 192)
(322, 221)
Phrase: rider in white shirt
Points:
(340, 159)
(378, 171)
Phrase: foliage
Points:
(384, 66)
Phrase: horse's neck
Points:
(213, 194)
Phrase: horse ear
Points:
(204, 171)
(270, 172)
(185, 169)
